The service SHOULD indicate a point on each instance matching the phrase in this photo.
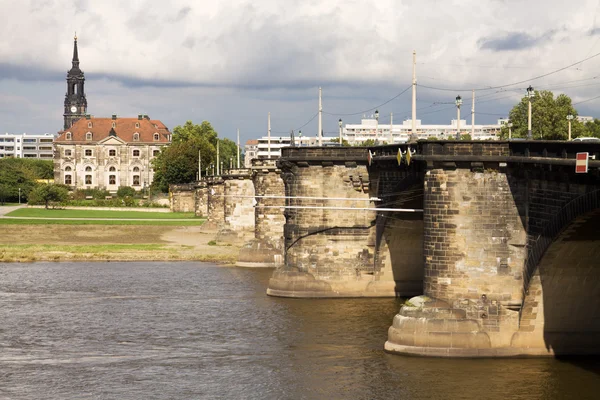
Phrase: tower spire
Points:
(75, 53)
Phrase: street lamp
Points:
(570, 118)
(376, 124)
(19, 196)
(340, 125)
(300, 138)
(458, 103)
(530, 94)
(509, 130)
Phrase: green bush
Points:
(125, 191)
(82, 194)
(48, 194)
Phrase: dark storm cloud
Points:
(514, 41)
(29, 73)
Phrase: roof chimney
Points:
(88, 116)
(114, 116)
(140, 116)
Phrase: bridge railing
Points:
(576, 207)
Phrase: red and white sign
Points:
(581, 163)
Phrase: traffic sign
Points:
(581, 163)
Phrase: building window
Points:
(112, 153)
(156, 137)
(68, 136)
(155, 153)
(137, 125)
(68, 179)
(68, 153)
(88, 136)
(88, 179)
(67, 169)
(112, 179)
(88, 169)
(136, 169)
(114, 124)
(88, 153)
(89, 124)
(136, 153)
(112, 169)
(136, 137)
(136, 180)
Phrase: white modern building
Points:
(370, 129)
(585, 119)
(26, 145)
(271, 147)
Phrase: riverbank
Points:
(28, 243)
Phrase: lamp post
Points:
(340, 125)
(530, 94)
(300, 138)
(458, 103)
(376, 125)
(570, 118)
(19, 196)
(509, 130)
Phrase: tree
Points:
(591, 128)
(337, 140)
(22, 173)
(548, 117)
(48, 193)
(178, 163)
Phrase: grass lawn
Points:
(59, 213)
(156, 222)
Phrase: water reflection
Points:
(193, 330)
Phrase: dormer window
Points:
(114, 124)
(136, 137)
(137, 125)
(136, 153)
(156, 137)
(68, 136)
(88, 136)
(89, 124)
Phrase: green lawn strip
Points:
(61, 213)
(73, 248)
(157, 222)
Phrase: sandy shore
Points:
(26, 243)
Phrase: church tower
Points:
(75, 101)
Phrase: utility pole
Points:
(391, 126)
(530, 94)
(340, 125)
(473, 117)
(269, 136)
(199, 164)
(413, 132)
(570, 118)
(320, 135)
(238, 148)
(458, 104)
(218, 171)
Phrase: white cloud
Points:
(233, 50)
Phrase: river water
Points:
(190, 330)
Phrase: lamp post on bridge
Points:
(530, 94)
(458, 103)
(376, 125)
(570, 118)
(509, 130)
(340, 124)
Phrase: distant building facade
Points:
(104, 153)
(250, 152)
(27, 145)
(369, 129)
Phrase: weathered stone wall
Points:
(238, 201)
(329, 252)
(201, 197)
(182, 197)
(266, 248)
(215, 202)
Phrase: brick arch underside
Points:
(561, 310)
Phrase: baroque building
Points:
(104, 153)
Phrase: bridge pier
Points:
(329, 252)
(498, 263)
(238, 207)
(266, 248)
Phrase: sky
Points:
(231, 62)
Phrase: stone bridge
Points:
(500, 239)
(497, 244)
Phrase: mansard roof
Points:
(124, 129)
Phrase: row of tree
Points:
(178, 163)
(21, 176)
(548, 118)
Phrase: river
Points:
(187, 330)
